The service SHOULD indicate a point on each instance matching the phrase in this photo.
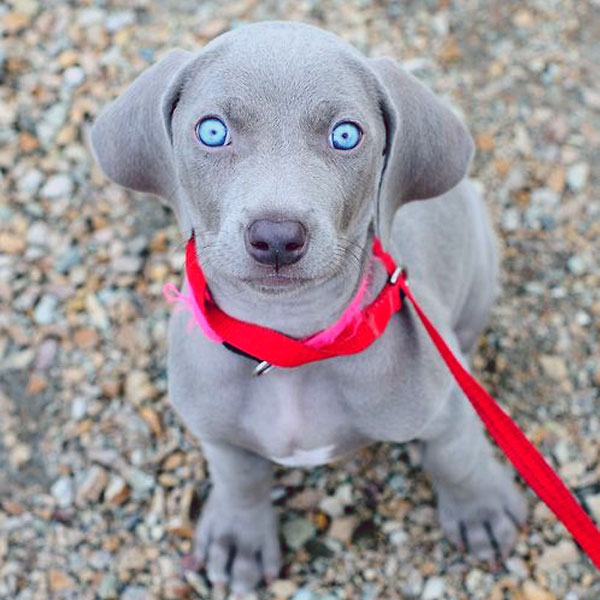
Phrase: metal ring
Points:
(262, 368)
(400, 270)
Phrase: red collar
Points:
(274, 348)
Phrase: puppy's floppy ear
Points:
(131, 138)
(428, 149)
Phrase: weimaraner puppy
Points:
(280, 135)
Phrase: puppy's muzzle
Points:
(276, 243)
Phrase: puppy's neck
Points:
(311, 310)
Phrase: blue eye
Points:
(212, 132)
(345, 136)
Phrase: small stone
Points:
(30, 182)
(173, 461)
(127, 264)
(152, 419)
(118, 20)
(97, 312)
(78, 408)
(38, 234)
(180, 527)
(304, 594)
(517, 566)
(57, 186)
(67, 260)
(46, 353)
(86, 338)
(554, 367)
(59, 580)
(62, 491)
(341, 529)
(11, 243)
(196, 583)
(116, 491)
(74, 76)
(577, 176)
(283, 588)
(138, 387)
(555, 556)
(108, 588)
(92, 486)
(485, 141)
(140, 482)
(594, 505)
(27, 7)
(20, 454)
(37, 383)
(135, 592)
(532, 591)
(44, 312)
(296, 532)
(434, 589)
(577, 265)
(332, 506)
(511, 219)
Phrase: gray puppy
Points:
(286, 150)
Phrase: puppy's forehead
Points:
(282, 63)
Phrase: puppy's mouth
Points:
(276, 282)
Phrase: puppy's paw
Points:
(487, 523)
(237, 546)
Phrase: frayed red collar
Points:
(355, 330)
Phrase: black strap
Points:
(240, 352)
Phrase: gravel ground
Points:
(100, 483)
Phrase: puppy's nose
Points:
(276, 243)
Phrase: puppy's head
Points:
(282, 148)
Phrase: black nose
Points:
(276, 243)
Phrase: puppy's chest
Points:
(299, 423)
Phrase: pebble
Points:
(67, 260)
(128, 264)
(30, 182)
(554, 367)
(92, 486)
(332, 506)
(63, 492)
(342, 528)
(304, 594)
(140, 482)
(74, 76)
(577, 264)
(593, 501)
(555, 556)
(57, 186)
(296, 532)
(45, 311)
(108, 588)
(116, 490)
(135, 592)
(79, 408)
(434, 589)
(577, 176)
(118, 20)
(283, 588)
(532, 591)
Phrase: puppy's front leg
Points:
(236, 537)
(479, 506)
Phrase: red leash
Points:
(528, 461)
(274, 348)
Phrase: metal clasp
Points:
(400, 270)
(262, 368)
